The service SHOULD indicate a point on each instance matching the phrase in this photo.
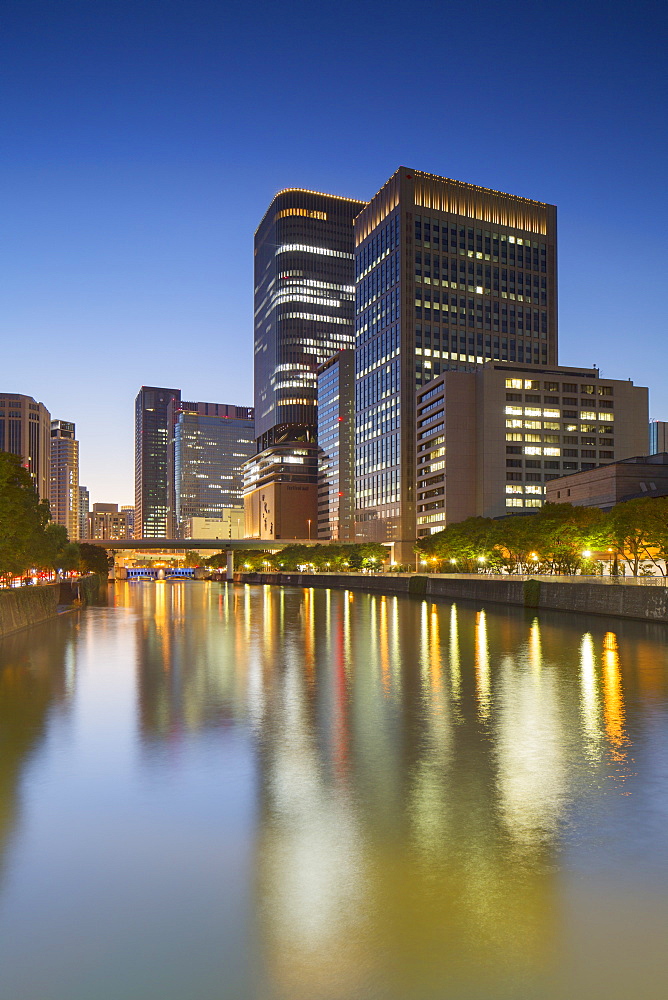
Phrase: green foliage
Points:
(23, 518)
(93, 559)
(554, 539)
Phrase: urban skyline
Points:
(131, 218)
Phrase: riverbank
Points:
(23, 607)
(622, 600)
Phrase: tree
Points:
(93, 559)
(639, 528)
(564, 532)
(23, 518)
(465, 546)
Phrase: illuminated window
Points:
(514, 502)
(587, 415)
(511, 488)
(606, 416)
(531, 411)
(533, 489)
(551, 425)
(551, 413)
(533, 425)
(532, 437)
(515, 410)
(552, 451)
(301, 211)
(513, 383)
(531, 384)
(533, 503)
(514, 437)
(513, 423)
(531, 450)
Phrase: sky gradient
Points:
(143, 141)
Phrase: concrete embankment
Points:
(623, 600)
(22, 607)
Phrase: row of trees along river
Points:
(29, 539)
(559, 538)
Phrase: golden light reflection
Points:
(535, 648)
(590, 705)
(613, 697)
(384, 646)
(435, 652)
(454, 655)
(482, 679)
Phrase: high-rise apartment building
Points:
(64, 477)
(152, 444)
(25, 430)
(448, 275)
(129, 512)
(490, 440)
(336, 441)
(304, 314)
(84, 508)
(209, 444)
(658, 437)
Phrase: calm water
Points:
(212, 792)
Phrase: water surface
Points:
(254, 793)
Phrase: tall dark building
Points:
(304, 314)
(449, 276)
(152, 441)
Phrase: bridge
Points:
(228, 545)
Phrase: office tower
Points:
(229, 524)
(336, 440)
(106, 521)
(209, 444)
(280, 492)
(449, 275)
(84, 508)
(658, 436)
(490, 440)
(152, 443)
(25, 430)
(304, 313)
(64, 477)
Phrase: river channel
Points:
(227, 792)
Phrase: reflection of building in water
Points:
(35, 667)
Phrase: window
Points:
(587, 415)
(514, 502)
(513, 383)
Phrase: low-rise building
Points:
(281, 492)
(490, 440)
(607, 485)
(231, 524)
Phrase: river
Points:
(222, 791)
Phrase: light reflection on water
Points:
(251, 792)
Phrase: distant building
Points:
(658, 436)
(106, 521)
(152, 444)
(449, 275)
(229, 525)
(304, 314)
(209, 444)
(129, 511)
(281, 492)
(84, 508)
(64, 477)
(25, 430)
(607, 485)
(490, 441)
(336, 440)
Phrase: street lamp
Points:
(610, 562)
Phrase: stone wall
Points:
(25, 606)
(645, 603)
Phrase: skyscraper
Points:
(210, 443)
(64, 477)
(25, 430)
(304, 314)
(152, 438)
(449, 275)
(336, 441)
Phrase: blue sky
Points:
(142, 142)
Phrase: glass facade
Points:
(448, 276)
(64, 477)
(336, 440)
(211, 441)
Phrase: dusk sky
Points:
(142, 142)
